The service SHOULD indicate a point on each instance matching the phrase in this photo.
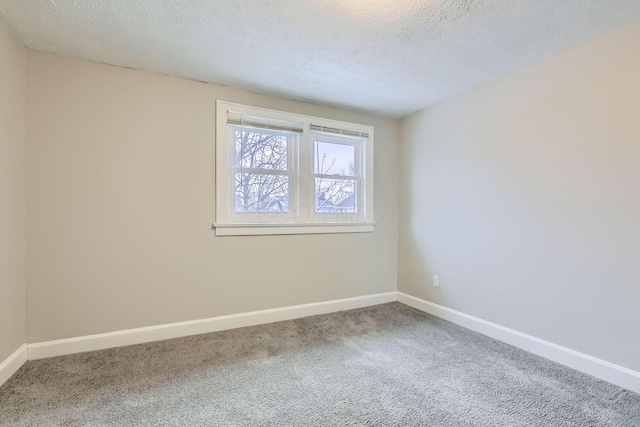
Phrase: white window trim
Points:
(227, 223)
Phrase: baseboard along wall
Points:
(125, 337)
(615, 374)
(194, 327)
(598, 368)
(11, 364)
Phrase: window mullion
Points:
(362, 182)
(304, 177)
(294, 186)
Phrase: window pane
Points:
(261, 149)
(335, 159)
(335, 195)
(256, 192)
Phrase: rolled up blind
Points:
(335, 131)
(240, 119)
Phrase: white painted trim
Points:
(266, 229)
(193, 327)
(599, 368)
(616, 374)
(301, 186)
(11, 364)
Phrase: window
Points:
(284, 173)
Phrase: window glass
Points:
(335, 195)
(335, 159)
(261, 149)
(257, 192)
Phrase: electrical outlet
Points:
(436, 281)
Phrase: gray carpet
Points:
(388, 365)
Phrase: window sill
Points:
(271, 229)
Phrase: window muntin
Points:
(297, 173)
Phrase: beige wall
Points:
(13, 317)
(524, 196)
(120, 196)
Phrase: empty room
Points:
(320, 213)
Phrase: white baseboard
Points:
(599, 368)
(11, 364)
(618, 375)
(193, 327)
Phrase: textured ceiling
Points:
(386, 56)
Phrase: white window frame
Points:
(302, 218)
